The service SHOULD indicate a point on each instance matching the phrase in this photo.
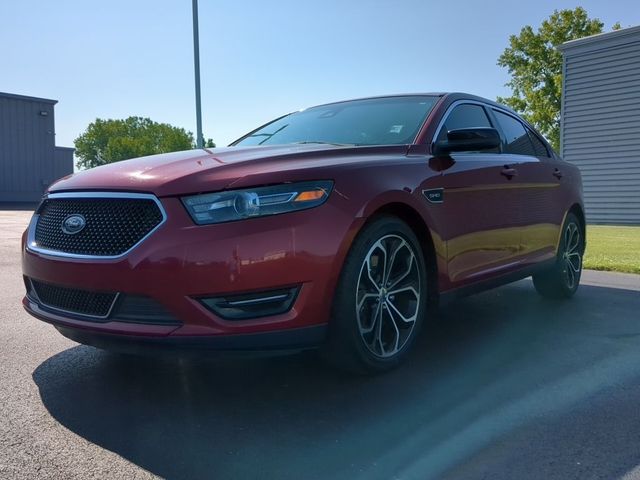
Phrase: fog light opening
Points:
(252, 305)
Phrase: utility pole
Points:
(196, 67)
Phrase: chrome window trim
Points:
(38, 301)
(31, 233)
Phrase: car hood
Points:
(204, 170)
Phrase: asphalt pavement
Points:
(503, 385)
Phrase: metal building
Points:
(29, 158)
(600, 122)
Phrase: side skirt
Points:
(451, 295)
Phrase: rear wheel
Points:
(380, 299)
(562, 280)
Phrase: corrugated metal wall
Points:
(601, 123)
(63, 162)
(28, 158)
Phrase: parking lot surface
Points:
(503, 385)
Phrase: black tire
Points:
(562, 280)
(356, 342)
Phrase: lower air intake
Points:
(73, 300)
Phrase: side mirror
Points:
(468, 140)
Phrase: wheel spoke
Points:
(567, 238)
(378, 334)
(571, 276)
(375, 317)
(373, 321)
(402, 317)
(405, 274)
(364, 298)
(396, 338)
(405, 289)
(573, 241)
(574, 245)
(575, 262)
(384, 262)
(392, 260)
(572, 280)
(372, 281)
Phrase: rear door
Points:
(477, 211)
(537, 183)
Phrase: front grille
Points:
(73, 300)
(113, 225)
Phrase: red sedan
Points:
(334, 227)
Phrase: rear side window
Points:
(518, 141)
(464, 116)
(539, 147)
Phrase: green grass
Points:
(613, 248)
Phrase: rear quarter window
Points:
(538, 146)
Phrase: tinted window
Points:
(373, 121)
(539, 147)
(518, 142)
(464, 116)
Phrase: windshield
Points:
(374, 121)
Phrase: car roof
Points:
(374, 97)
(451, 96)
(455, 96)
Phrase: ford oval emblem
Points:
(73, 224)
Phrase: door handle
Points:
(509, 172)
(557, 173)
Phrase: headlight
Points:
(256, 202)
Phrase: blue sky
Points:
(116, 58)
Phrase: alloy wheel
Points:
(572, 256)
(388, 296)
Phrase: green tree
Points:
(535, 66)
(107, 141)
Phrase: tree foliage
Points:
(535, 66)
(107, 141)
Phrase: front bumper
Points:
(180, 263)
(289, 340)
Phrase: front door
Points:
(483, 237)
(478, 213)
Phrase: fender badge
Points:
(435, 195)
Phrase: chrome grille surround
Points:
(32, 243)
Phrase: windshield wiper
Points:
(268, 135)
(319, 142)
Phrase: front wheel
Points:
(380, 299)
(562, 280)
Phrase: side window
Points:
(539, 147)
(464, 116)
(518, 141)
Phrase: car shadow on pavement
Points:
(488, 365)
